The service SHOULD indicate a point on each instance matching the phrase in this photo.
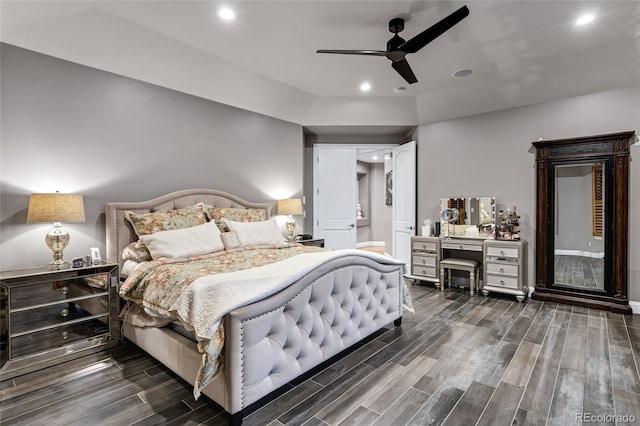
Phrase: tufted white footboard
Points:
(271, 342)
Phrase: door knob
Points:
(411, 227)
(351, 225)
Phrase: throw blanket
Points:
(157, 284)
(201, 303)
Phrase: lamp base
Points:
(58, 264)
(57, 240)
(291, 226)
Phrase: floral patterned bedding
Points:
(157, 284)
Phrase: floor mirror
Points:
(582, 216)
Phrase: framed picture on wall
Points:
(388, 188)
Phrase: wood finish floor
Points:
(580, 271)
(457, 361)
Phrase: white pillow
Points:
(185, 242)
(265, 232)
(127, 268)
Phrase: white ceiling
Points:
(521, 53)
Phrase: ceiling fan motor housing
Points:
(393, 46)
(396, 25)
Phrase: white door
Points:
(404, 200)
(335, 198)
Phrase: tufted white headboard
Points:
(119, 230)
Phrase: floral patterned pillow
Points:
(217, 214)
(166, 220)
(137, 252)
(230, 240)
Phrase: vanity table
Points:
(503, 262)
(467, 222)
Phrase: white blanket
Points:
(203, 304)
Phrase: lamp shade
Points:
(290, 206)
(55, 208)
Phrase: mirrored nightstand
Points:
(50, 316)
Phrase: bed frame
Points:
(273, 341)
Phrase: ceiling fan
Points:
(397, 47)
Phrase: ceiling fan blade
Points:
(403, 68)
(354, 52)
(434, 31)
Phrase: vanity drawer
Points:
(502, 251)
(502, 281)
(418, 260)
(461, 245)
(425, 271)
(424, 245)
(501, 268)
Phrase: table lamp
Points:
(290, 207)
(56, 208)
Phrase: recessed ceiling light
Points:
(226, 14)
(585, 19)
(462, 73)
(399, 89)
(375, 157)
(365, 87)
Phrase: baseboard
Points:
(370, 244)
(596, 255)
(635, 306)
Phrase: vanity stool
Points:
(470, 266)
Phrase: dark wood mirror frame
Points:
(614, 149)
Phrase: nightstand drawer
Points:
(33, 319)
(424, 245)
(425, 271)
(35, 295)
(51, 338)
(501, 268)
(502, 281)
(424, 260)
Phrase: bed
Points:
(268, 342)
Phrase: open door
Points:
(336, 196)
(404, 201)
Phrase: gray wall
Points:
(381, 214)
(491, 154)
(364, 194)
(78, 130)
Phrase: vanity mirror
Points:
(475, 216)
(582, 220)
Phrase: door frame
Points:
(356, 146)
